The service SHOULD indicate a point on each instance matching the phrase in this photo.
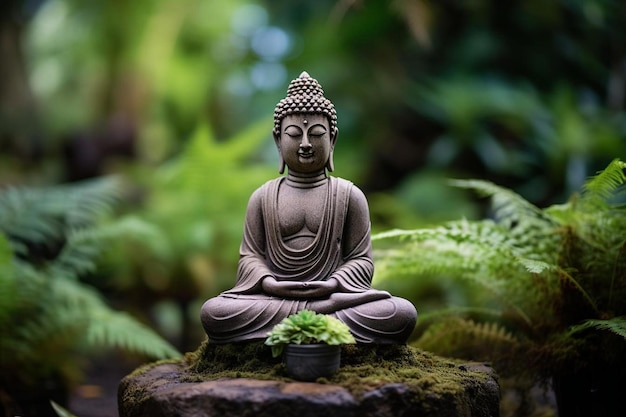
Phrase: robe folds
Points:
(245, 312)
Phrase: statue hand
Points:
(341, 300)
(300, 290)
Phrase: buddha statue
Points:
(306, 240)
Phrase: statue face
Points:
(305, 142)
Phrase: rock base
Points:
(399, 381)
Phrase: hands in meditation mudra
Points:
(306, 241)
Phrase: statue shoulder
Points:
(357, 202)
(342, 182)
(259, 195)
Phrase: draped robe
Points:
(245, 312)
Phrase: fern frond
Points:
(205, 154)
(117, 329)
(605, 185)
(509, 207)
(539, 267)
(77, 314)
(536, 267)
(102, 326)
(465, 248)
(36, 215)
(458, 337)
(547, 267)
(428, 318)
(83, 246)
(616, 325)
(529, 229)
(46, 314)
(35, 332)
(479, 252)
(399, 234)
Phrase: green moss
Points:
(436, 386)
(363, 368)
(148, 366)
(236, 360)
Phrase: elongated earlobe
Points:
(330, 165)
(281, 163)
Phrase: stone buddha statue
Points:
(306, 240)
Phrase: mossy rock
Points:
(374, 380)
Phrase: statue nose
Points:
(305, 145)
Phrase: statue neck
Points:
(299, 180)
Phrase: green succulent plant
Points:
(306, 327)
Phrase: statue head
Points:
(305, 97)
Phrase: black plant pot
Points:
(309, 362)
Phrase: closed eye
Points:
(293, 131)
(317, 131)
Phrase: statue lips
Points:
(305, 155)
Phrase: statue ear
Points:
(330, 164)
(281, 161)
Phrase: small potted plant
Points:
(311, 343)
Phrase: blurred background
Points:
(176, 98)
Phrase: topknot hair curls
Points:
(304, 95)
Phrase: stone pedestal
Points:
(420, 385)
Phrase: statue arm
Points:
(356, 272)
(252, 268)
(353, 278)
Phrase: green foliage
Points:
(86, 61)
(517, 133)
(306, 327)
(458, 337)
(43, 215)
(61, 411)
(50, 239)
(552, 275)
(512, 93)
(198, 199)
(616, 325)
